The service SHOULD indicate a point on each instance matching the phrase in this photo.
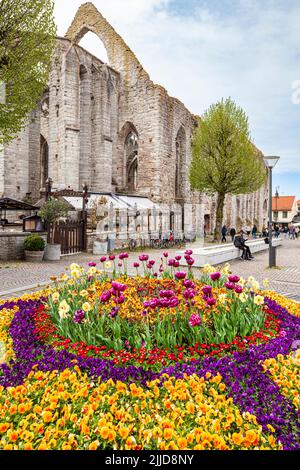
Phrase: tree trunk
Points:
(219, 217)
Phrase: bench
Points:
(219, 254)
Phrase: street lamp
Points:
(270, 163)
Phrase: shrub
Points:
(34, 243)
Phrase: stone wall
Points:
(11, 245)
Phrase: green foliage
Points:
(225, 161)
(34, 243)
(27, 41)
(53, 210)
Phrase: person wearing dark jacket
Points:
(224, 233)
(232, 233)
(254, 231)
(239, 242)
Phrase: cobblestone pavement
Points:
(19, 277)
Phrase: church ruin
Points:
(110, 127)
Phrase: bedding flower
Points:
(123, 388)
(63, 309)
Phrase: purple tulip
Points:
(238, 289)
(176, 264)
(207, 290)
(143, 258)
(180, 275)
(118, 286)
(229, 285)
(92, 264)
(114, 312)
(190, 261)
(111, 257)
(233, 278)
(120, 299)
(195, 320)
(136, 265)
(166, 254)
(79, 316)
(215, 276)
(210, 301)
(188, 252)
(188, 284)
(189, 294)
(123, 256)
(174, 302)
(105, 296)
(103, 259)
(178, 257)
(166, 293)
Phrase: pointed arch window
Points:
(131, 153)
(180, 164)
(44, 155)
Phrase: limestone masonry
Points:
(111, 127)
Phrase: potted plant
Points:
(34, 246)
(51, 212)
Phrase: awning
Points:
(117, 201)
(8, 204)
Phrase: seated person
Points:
(239, 242)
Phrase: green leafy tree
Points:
(52, 211)
(27, 41)
(224, 159)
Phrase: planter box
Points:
(52, 253)
(34, 256)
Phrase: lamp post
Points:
(85, 198)
(270, 163)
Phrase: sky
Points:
(204, 50)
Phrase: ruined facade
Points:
(110, 126)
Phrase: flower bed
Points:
(150, 362)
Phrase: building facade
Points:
(111, 127)
(284, 209)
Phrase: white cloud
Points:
(252, 55)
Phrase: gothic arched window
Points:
(131, 154)
(44, 149)
(180, 164)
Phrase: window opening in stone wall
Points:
(44, 153)
(93, 44)
(180, 162)
(131, 152)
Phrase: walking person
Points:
(239, 242)
(224, 233)
(293, 232)
(232, 233)
(277, 231)
(254, 231)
